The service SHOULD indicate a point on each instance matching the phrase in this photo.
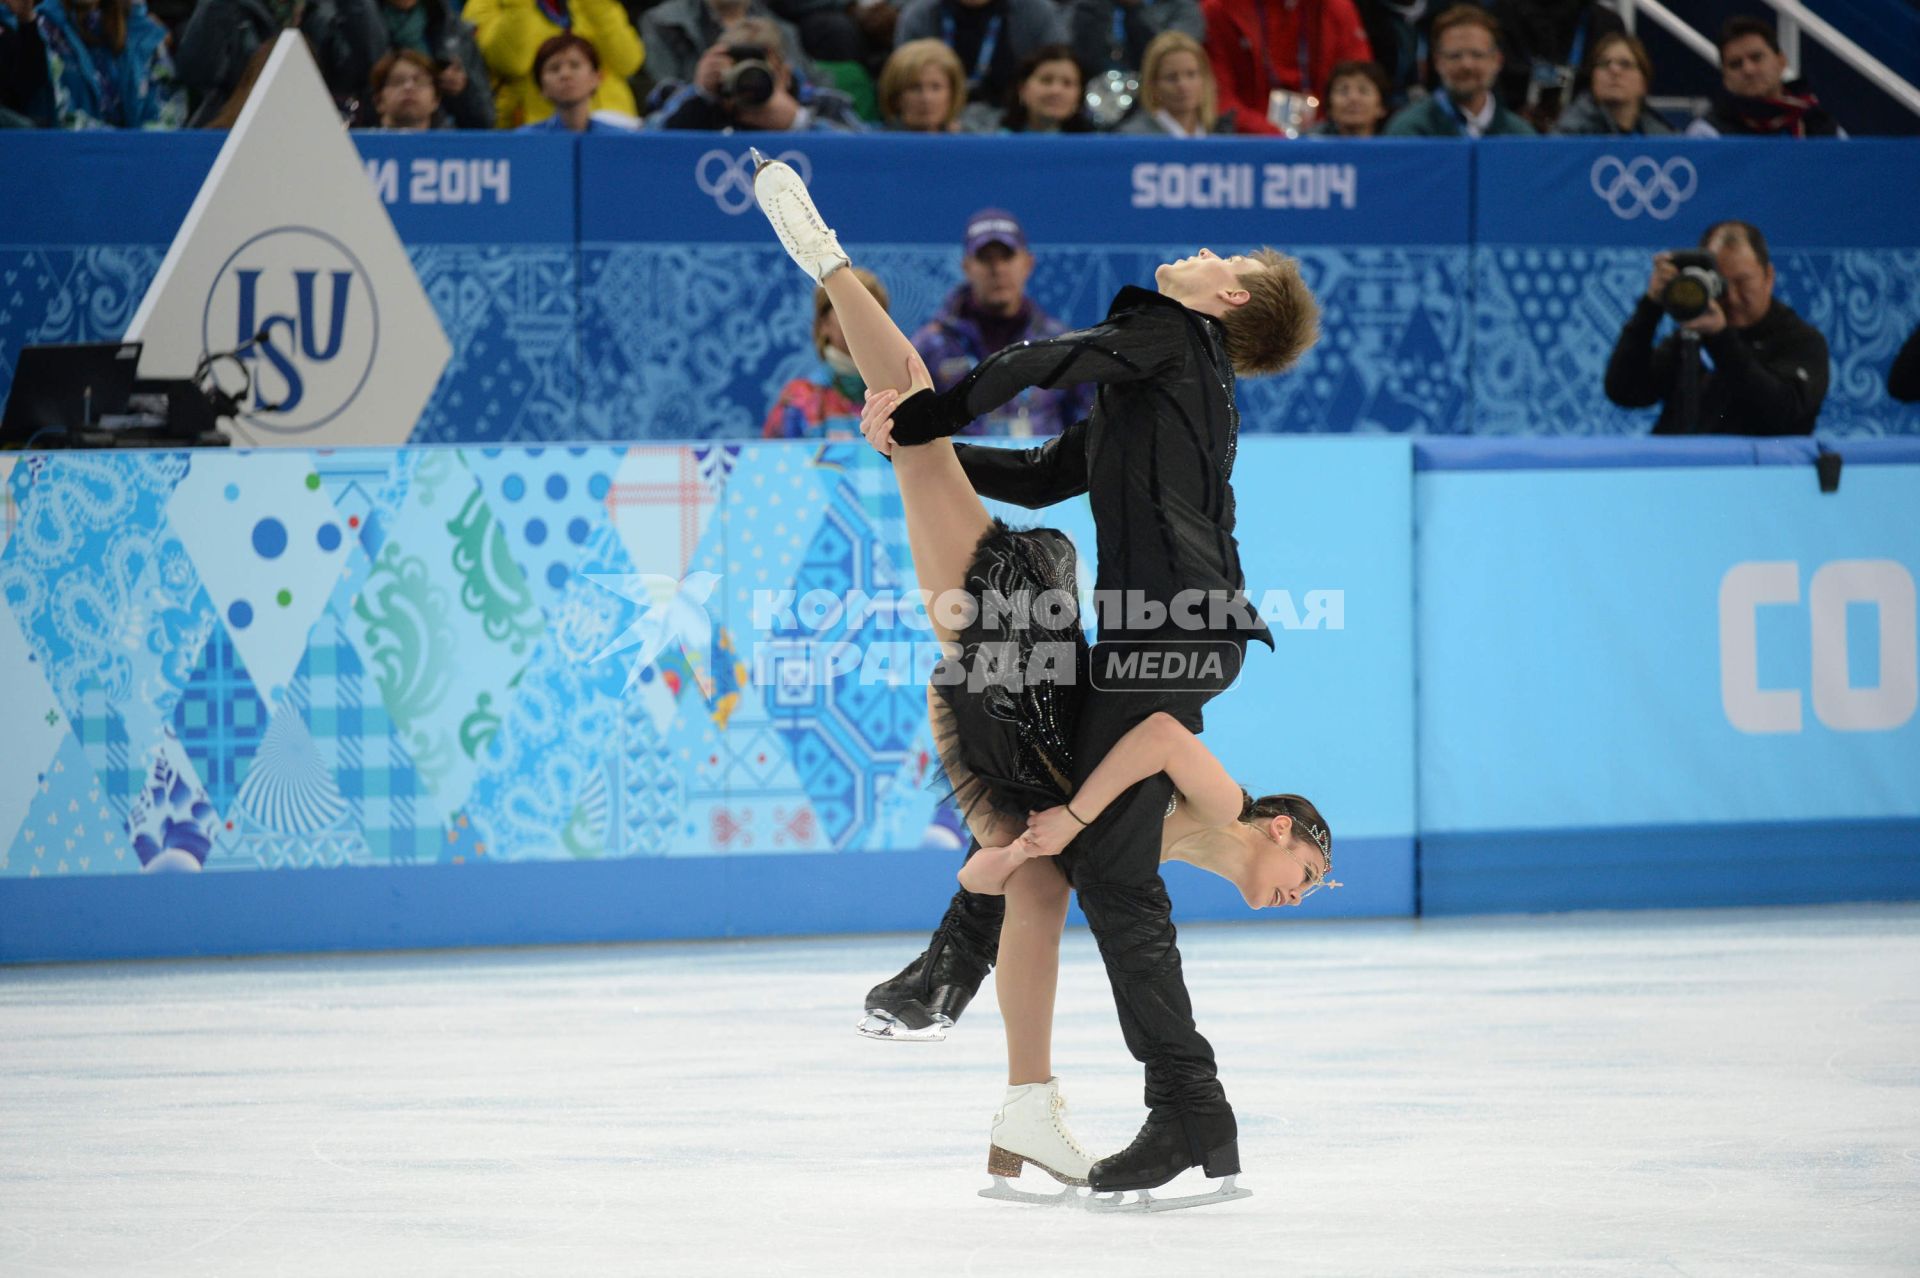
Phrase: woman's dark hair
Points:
(384, 68)
(1015, 116)
(560, 44)
(1372, 72)
(1308, 824)
(1629, 42)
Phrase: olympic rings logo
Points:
(1644, 185)
(729, 178)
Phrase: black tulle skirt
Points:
(1004, 708)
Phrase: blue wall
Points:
(621, 288)
(1515, 675)
(1633, 693)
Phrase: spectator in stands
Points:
(406, 92)
(429, 29)
(991, 37)
(743, 82)
(1756, 100)
(567, 69)
(1397, 30)
(678, 34)
(1466, 52)
(1903, 379)
(1264, 48)
(826, 405)
(1178, 97)
(1542, 47)
(1049, 98)
(1769, 371)
(923, 88)
(223, 37)
(992, 311)
(23, 65)
(93, 64)
(1618, 75)
(1356, 104)
(1114, 35)
(511, 32)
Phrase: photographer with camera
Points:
(743, 82)
(1739, 363)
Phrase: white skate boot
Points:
(783, 198)
(1030, 1129)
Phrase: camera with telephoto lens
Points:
(1698, 285)
(749, 81)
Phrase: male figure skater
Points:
(1155, 456)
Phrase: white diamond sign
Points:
(288, 257)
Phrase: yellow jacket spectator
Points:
(511, 32)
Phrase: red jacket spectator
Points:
(1257, 46)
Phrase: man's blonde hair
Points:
(1279, 320)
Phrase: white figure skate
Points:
(1030, 1130)
(803, 233)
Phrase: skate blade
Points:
(760, 158)
(889, 1029)
(1226, 1192)
(1001, 1191)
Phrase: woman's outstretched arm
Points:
(1158, 743)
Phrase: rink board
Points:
(394, 697)
(430, 740)
(1686, 684)
(623, 287)
(312, 911)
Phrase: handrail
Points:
(1794, 17)
(1675, 25)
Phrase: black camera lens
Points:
(1688, 294)
(748, 82)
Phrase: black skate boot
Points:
(923, 1001)
(1165, 1147)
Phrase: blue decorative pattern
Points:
(341, 711)
(220, 720)
(1546, 320)
(510, 314)
(688, 342)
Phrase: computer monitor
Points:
(67, 388)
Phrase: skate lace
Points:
(1060, 1127)
(804, 223)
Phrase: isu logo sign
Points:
(310, 303)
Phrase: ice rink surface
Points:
(1713, 1093)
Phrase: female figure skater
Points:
(1155, 456)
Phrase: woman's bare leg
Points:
(1028, 972)
(945, 518)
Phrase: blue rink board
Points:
(298, 911)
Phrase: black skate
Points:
(1160, 1152)
(923, 1001)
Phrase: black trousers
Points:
(1114, 866)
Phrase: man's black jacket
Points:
(1768, 379)
(1155, 455)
